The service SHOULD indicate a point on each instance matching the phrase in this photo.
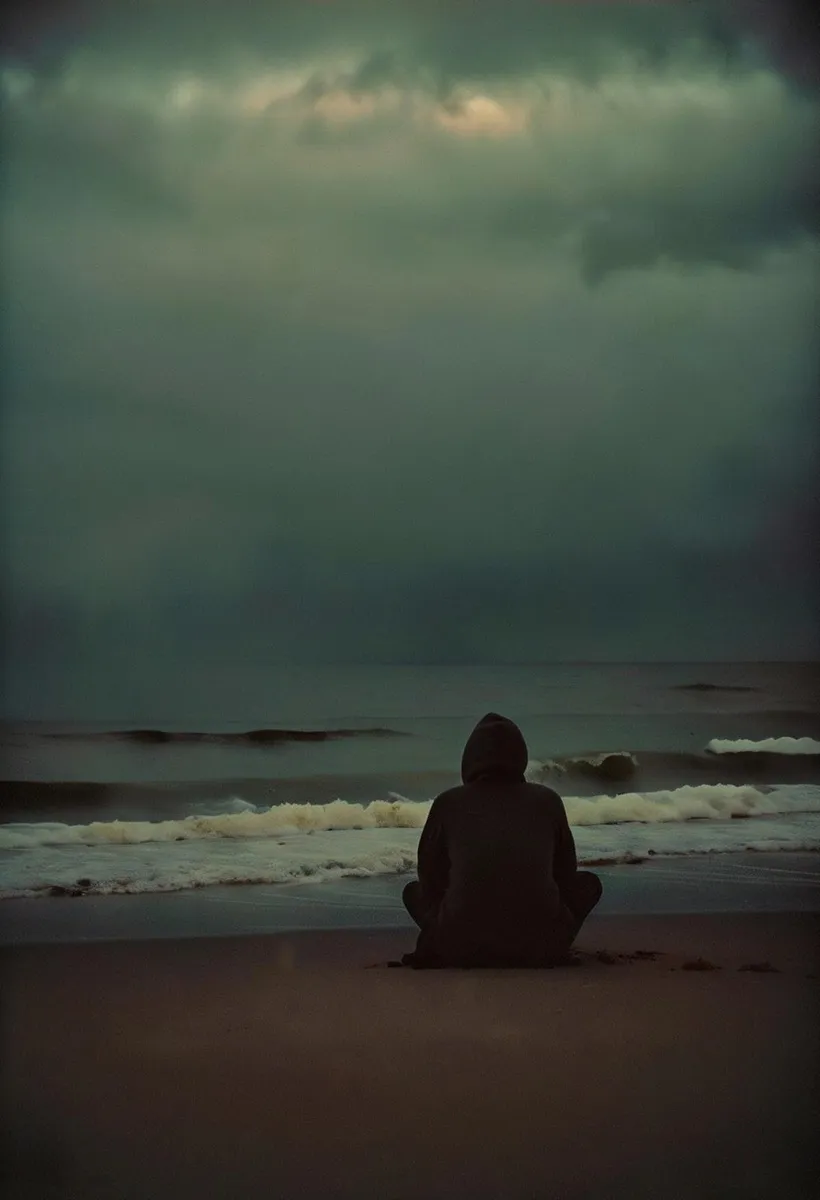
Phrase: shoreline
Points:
(752, 882)
(656, 942)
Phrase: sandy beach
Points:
(679, 1058)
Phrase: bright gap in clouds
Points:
(439, 337)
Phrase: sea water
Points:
(334, 774)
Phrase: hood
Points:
(495, 747)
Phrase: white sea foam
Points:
(312, 843)
(248, 822)
(334, 854)
(701, 802)
(697, 803)
(778, 745)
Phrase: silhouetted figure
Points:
(498, 881)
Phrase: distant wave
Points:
(28, 796)
(712, 687)
(614, 766)
(794, 747)
(791, 760)
(757, 764)
(259, 737)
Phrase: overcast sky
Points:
(409, 332)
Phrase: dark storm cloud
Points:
(442, 41)
(454, 40)
(450, 38)
(408, 332)
(790, 33)
(702, 183)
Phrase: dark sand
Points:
(281, 1067)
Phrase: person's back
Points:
(498, 880)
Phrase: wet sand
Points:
(301, 1065)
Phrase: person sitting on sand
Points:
(498, 880)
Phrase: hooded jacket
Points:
(492, 859)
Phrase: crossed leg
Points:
(579, 899)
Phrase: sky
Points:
(405, 332)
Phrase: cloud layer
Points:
(398, 334)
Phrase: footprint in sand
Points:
(700, 964)
(762, 967)
(635, 956)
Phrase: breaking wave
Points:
(787, 759)
(700, 686)
(613, 766)
(776, 760)
(320, 855)
(778, 745)
(245, 821)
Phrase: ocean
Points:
(335, 777)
